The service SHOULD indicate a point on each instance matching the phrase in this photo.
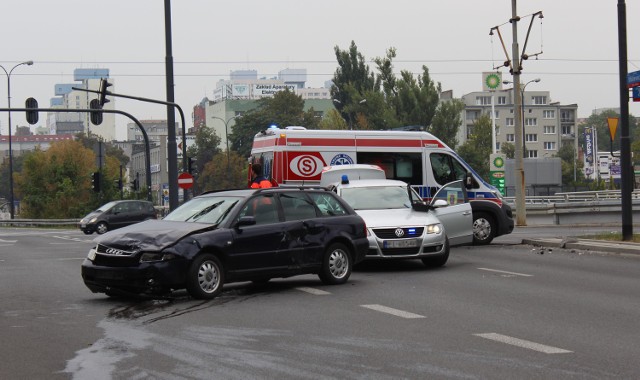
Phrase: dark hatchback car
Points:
(116, 214)
(230, 236)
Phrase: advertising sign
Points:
(588, 142)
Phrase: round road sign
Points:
(185, 180)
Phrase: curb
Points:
(586, 245)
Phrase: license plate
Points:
(83, 225)
(400, 243)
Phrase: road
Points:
(500, 311)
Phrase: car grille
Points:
(401, 251)
(390, 233)
(113, 257)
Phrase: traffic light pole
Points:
(144, 133)
(156, 101)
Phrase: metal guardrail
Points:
(39, 222)
(572, 197)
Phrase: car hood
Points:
(396, 218)
(92, 214)
(151, 234)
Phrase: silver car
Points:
(402, 226)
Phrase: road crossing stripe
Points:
(392, 311)
(523, 343)
(505, 272)
(313, 291)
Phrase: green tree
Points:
(284, 109)
(57, 183)
(446, 121)
(477, 149)
(570, 165)
(220, 174)
(205, 147)
(508, 149)
(333, 120)
(599, 122)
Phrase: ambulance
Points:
(297, 156)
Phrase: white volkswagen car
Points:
(402, 226)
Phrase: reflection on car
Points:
(116, 214)
(401, 225)
(229, 236)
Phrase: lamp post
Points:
(28, 63)
(226, 135)
(522, 89)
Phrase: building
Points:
(21, 143)
(72, 96)
(548, 125)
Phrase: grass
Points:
(612, 236)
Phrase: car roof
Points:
(372, 183)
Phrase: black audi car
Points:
(229, 236)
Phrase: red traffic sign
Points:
(185, 181)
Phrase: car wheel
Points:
(205, 277)
(336, 265)
(484, 228)
(102, 228)
(438, 260)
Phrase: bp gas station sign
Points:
(496, 171)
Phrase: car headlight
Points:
(434, 228)
(92, 254)
(149, 257)
(93, 220)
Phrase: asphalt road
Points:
(500, 311)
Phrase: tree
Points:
(570, 165)
(508, 149)
(206, 146)
(217, 174)
(284, 109)
(599, 122)
(446, 121)
(333, 120)
(477, 149)
(56, 183)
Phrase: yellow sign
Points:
(613, 126)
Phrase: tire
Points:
(102, 228)
(336, 265)
(205, 277)
(438, 260)
(484, 228)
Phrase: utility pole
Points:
(521, 210)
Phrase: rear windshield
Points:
(204, 210)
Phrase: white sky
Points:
(579, 40)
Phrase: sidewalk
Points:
(586, 245)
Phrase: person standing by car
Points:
(258, 181)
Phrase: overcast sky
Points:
(578, 38)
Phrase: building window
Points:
(530, 122)
(532, 154)
(566, 129)
(509, 122)
(483, 100)
(539, 100)
(549, 145)
(511, 137)
(496, 114)
(549, 114)
(549, 129)
(497, 130)
(502, 100)
(497, 146)
(530, 137)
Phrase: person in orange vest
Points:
(258, 181)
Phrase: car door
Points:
(258, 247)
(304, 232)
(119, 215)
(456, 215)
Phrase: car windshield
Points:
(204, 210)
(106, 206)
(376, 197)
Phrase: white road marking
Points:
(523, 343)
(316, 292)
(392, 311)
(70, 258)
(505, 272)
(7, 241)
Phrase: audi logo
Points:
(113, 251)
(399, 232)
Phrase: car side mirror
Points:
(246, 221)
(470, 182)
(420, 206)
(440, 203)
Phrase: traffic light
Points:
(136, 186)
(96, 115)
(32, 114)
(95, 181)
(190, 165)
(118, 183)
(104, 84)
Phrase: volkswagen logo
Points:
(113, 251)
(399, 232)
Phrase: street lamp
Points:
(226, 135)
(28, 63)
(522, 89)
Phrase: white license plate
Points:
(83, 225)
(400, 243)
